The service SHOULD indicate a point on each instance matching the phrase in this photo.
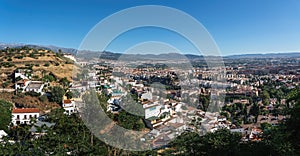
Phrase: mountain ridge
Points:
(114, 55)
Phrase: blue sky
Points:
(237, 26)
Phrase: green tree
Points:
(57, 94)
(265, 97)
(5, 115)
(65, 82)
(221, 142)
(130, 121)
(49, 78)
(292, 123)
(69, 95)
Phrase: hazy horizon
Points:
(145, 53)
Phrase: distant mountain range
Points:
(268, 55)
(172, 56)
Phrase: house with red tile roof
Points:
(24, 115)
(69, 107)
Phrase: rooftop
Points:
(35, 84)
(67, 101)
(25, 110)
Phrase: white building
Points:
(147, 95)
(69, 107)
(24, 115)
(23, 73)
(2, 134)
(22, 84)
(70, 56)
(35, 86)
(152, 111)
(23, 77)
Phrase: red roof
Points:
(25, 110)
(67, 101)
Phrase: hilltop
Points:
(40, 61)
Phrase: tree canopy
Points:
(5, 115)
(57, 94)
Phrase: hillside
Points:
(40, 61)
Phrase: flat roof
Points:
(35, 85)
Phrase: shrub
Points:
(31, 93)
(43, 98)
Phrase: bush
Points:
(32, 93)
(46, 64)
(69, 95)
(43, 98)
(19, 57)
(49, 78)
(4, 84)
(32, 55)
(57, 94)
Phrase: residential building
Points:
(24, 115)
(35, 86)
(69, 107)
(152, 111)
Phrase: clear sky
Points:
(238, 26)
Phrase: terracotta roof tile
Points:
(67, 101)
(25, 110)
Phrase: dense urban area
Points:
(250, 105)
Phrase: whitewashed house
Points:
(2, 134)
(23, 74)
(24, 115)
(22, 84)
(69, 107)
(70, 56)
(152, 110)
(22, 77)
(147, 96)
(35, 86)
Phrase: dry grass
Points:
(28, 101)
(59, 66)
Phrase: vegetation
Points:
(36, 60)
(277, 140)
(71, 135)
(57, 94)
(69, 95)
(64, 82)
(49, 78)
(5, 115)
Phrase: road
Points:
(6, 90)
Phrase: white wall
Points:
(24, 118)
(152, 111)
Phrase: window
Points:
(25, 116)
(18, 116)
